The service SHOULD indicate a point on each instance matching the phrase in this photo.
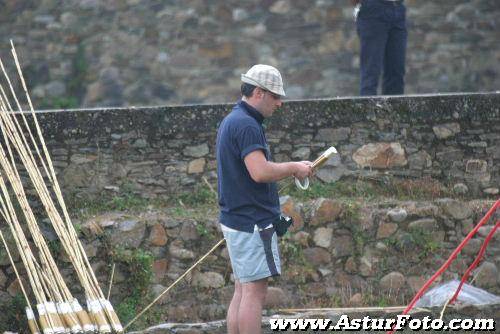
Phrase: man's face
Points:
(268, 102)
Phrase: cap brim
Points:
(251, 81)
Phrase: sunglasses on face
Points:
(274, 96)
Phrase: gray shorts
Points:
(253, 255)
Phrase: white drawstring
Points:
(300, 185)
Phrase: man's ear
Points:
(259, 92)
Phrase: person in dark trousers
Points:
(381, 26)
(248, 195)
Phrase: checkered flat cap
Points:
(265, 77)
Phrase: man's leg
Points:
(250, 308)
(232, 312)
(395, 54)
(372, 33)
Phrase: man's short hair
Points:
(247, 89)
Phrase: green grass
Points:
(184, 204)
(203, 198)
(62, 102)
(372, 189)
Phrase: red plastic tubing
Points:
(450, 259)
(476, 261)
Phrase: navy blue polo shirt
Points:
(243, 202)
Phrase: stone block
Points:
(209, 279)
(380, 155)
(292, 209)
(128, 233)
(487, 275)
(317, 256)
(393, 281)
(325, 210)
(476, 166)
(456, 209)
(397, 215)
(343, 246)
(386, 230)
(332, 136)
(275, 297)
(323, 237)
(158, 236)
(445, 131)
(159, 269)
(196, 151)
(196, 166)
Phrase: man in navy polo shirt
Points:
(248, 195)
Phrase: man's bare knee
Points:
(237, 287)
(257, 289)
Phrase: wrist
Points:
(295, 168)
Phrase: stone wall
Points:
(452, 138)
(121, 53)
(340, 252)
(337, 254)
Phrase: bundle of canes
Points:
(102, 316)
(54, 308)
(48, 275)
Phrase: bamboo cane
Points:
(32, 323)
(26, 256)
(21, 242)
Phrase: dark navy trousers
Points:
(382, 32)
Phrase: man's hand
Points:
(303, 169)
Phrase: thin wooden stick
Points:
(111, 280)
(15, 270)
(209, 185)
(444, 307)
(173, 284)
(345, 309)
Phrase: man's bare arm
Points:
(263, 171)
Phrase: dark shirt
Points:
(243, 202)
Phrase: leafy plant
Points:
(416, 240)
(13, 315)
(204, 231)
(139, 265)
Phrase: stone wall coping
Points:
(225, 104)
(298, 115)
